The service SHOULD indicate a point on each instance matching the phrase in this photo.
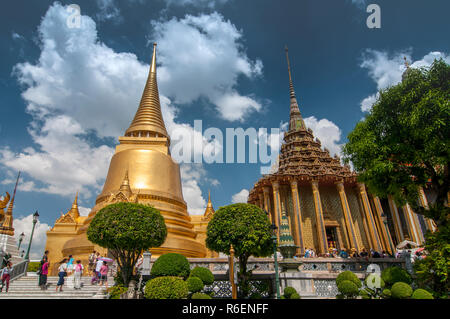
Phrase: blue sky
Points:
(67, 94)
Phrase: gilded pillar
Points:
(277, 204)
(321, 232)
(369, 217)
(384, 233)
(350, 230)
(396, 217)
(298, 236)
(261, 200)
(423, 199)
(267, 208)
(412, 225)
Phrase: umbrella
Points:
(420, 249)
(405, 243)
(108, 260)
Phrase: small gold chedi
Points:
(141, 171)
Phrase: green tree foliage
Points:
(386, 293)
(295, 296)
(116, 291)
(421, 294)
(401, 290)
(432, 273)
(166, 288)
(127, 230)
(247, 228)
(348, 289)
(288, 291)
(200, 295)
(171, 264)
(204, 274)
(403, 144)
(395, 274)
(194, 284)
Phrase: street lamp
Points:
(21, 237)
(274, 240)
(35, 220)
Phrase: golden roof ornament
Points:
(296, 121)
(6, 226)
(209, 211)
(148, 121)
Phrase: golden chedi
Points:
(141, 171)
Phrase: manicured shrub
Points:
(401, 290)
(204, 274)
(421, 294)
(348, 275)
(395, 274)
(116, 291)
(386, 293)
(194, 284)
(283, 297)
(288, 291)
(295, 296)
(199, 295)
(348, 288)
(166, 288)
(365, 294)
(171, 264)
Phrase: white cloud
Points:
(201, 56)
(108, 11)
(25, 225)
(196, 3)
(79, 89)
(387, 70)
(327, 132)
(240, 197)
(84, 211)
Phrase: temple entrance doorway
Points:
(332, 237)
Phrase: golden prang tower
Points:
(141, 171)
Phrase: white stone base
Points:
(9, 245)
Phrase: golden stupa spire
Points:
(74, 210)
(7, 224)
(296, 120)
(125, 186)
(148, 121)
(209, 211)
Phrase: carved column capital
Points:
(340, 185)
(315, 184)
(294, 184)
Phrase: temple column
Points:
(277, 205)
(298, 236)
(369, 217)
(424, 201)
(396, 217)
(350, 231)
(320, 224)
(267, 208)
(385, 234)
(261, 200)
(412, 225)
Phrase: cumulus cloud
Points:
(327, 132)
(80, 92)
(25, 225)
(108, 11)
(240, 197)
(208, 65)
(387, 69)
(196, 3)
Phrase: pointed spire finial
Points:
(296, 120)
(153, 66)
(406, 62)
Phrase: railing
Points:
(19, 270)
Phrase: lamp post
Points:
(21, 236)
(35, 220)
(385, 222)
(274, 240)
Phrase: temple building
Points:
(326, 206)
(141, 171)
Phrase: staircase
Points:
(26, 287)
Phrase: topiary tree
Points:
(194, 284)
(166, 288)
(348, 275)
(348, 289)
(289, 291)
(295, 296)
(421, 294)
(116, 291)
(401, 290)
(204, 274)
(127, 230)
(247, 228)
(200, 295)
(395, 274)
(171, 264)
(386, 293)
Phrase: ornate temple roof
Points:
(6, 222)
(148, 118)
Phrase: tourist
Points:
(43, 274)
(104, 274)
(376, 254)
(44, 258)
(355, 254)
(70, 264)
(98, 265)
(312, 253)
(363, 253)
(307, 253)
(91, 265)
(62, 272)
(343, 253)
(78, 271)
(6, 275)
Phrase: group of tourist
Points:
(98, 268)
(5, 275)
(342, 253)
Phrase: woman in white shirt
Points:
(62, 272)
